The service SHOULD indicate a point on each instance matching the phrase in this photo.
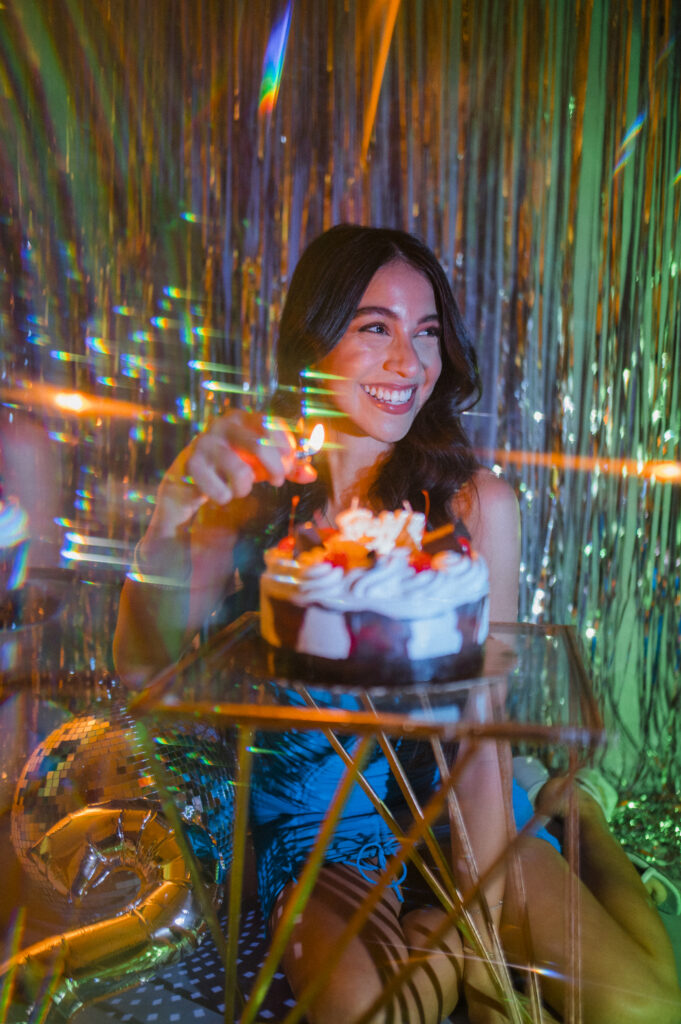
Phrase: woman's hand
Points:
(236, 451)
(185, 559)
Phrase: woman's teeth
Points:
(389, 395)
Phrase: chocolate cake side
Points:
(378, 654)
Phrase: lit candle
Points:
(292, 517)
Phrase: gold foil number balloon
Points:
(87, 806)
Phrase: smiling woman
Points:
(371, 314)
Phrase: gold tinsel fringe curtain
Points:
(155, 196)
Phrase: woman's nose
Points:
(401, 356)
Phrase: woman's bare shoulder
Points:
(495, 495)
(489, 508)
(487, 499)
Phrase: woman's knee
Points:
(659, 1003)
(392, 970)
(344, 973)
(348, 999)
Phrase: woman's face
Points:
(388, 360)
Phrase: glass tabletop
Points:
(540, 689)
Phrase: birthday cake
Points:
(377, 601)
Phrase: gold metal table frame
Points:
(546, 704)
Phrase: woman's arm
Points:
(489, 508)
(184, 561)
(175, 583)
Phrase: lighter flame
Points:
(309, 446)
(316, 439)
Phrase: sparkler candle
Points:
(295, 500)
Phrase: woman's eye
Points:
(430, 332)
(374, 328)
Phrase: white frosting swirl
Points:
(391, 586)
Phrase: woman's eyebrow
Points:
(386, 311)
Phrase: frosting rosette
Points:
(376, 563)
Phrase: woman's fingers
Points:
(217, 471)
(238, 450)
(268, 446)
(263, 444)
(301, 472)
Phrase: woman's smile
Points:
(392, 399)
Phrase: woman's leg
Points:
(366, 967)
(627, 969)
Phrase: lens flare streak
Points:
(661, 470)
(379, 72)
(49, 397)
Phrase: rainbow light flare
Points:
(633, 131)
(13, 940)
(273, 64)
